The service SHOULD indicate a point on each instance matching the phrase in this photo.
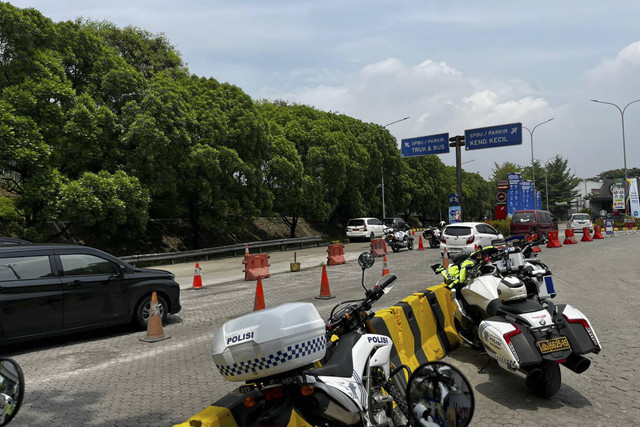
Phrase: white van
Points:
(364, 228)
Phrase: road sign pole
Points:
(458, 142)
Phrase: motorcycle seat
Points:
(339, 360)
(514, 307)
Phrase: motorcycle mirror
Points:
(366, 260)
(11, 389)
(439, 394)
(387, 282)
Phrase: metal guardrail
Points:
(205, 253)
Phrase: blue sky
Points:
(448, 65)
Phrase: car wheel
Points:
(410, 245)
(351, 239)
(143, 309)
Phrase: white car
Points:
(466, 237)
(364, 228)
(578, 221)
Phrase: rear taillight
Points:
(507, 337)
(471, 239)
(307, 390)
(586, 326)
(273, 393)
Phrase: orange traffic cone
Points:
(413, 232)
(420, 246)
(259, 301)
(154, 325)
(197, 278)
(246, 250)
(445, 259)
(385, 269)
(325, 292)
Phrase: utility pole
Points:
(458, 142)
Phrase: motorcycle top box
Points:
(268, 342)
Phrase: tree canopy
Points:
(102, 128)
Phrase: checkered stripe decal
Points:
(271, 361)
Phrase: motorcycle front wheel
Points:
(548, 382)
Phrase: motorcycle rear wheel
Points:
(547, 384)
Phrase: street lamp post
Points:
(624, 148)
(533, 166)
(384, 212)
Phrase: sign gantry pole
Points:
(458, 142)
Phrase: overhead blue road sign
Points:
(494, 136)
(423, 145)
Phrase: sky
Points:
(447, 65)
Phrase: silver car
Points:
(467, 237)
(578, 221)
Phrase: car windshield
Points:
(524, 217)
(388, 222)
(457, 230)
(356, 222)
(581, 217)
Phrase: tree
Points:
(500, 172)
(562, 184)
(114, 207)
(617, 173)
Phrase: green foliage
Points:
(10, 221)
(503, 226)
(102, 127)
(617, 173)
(113, 206)
(587, 211)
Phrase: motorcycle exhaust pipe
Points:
(322, 405)
(577, 363)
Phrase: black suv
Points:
(51, 289)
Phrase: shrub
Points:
(503, 226)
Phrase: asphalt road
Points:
(111, 378)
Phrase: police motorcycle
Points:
(11, 389)
(530, 336)
(276, 352)
(398, 239)
(432, 235)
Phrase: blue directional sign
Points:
(423, 145)
(493, 136)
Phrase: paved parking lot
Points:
(111, 378)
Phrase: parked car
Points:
(533, 220)
(578, 221)
(398, 224)
(5, 241)
(56, 289)
(465, 237)
(364, 228)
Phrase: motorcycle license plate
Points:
(556, 344)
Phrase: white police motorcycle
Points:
(530, 335)
(398, 239)
(276, 352)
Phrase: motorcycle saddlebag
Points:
(577, 328)
(269, 341)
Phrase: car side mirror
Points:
(439, 394)
(11, 389)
